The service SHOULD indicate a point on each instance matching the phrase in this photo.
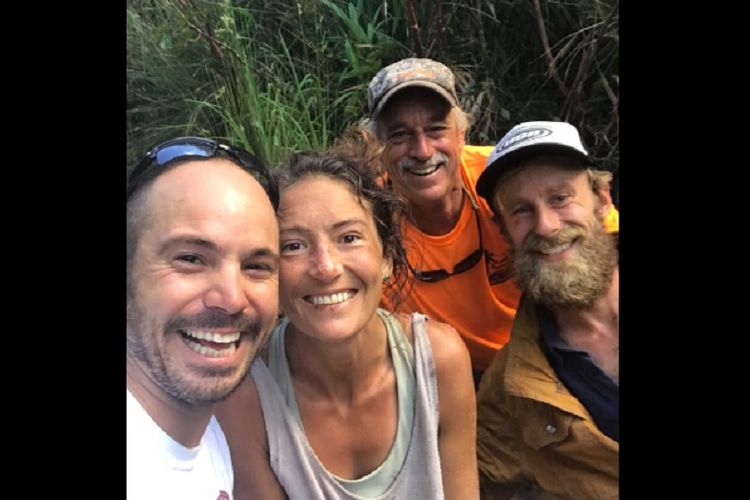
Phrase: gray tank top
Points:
(412, 468)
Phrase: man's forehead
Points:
(214, 182)
(538, 176)
(214, 190)
(191, 173)
(410, 100)
(407, 119)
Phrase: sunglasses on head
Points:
(462, 266)
(184, 148)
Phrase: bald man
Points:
(202, 298)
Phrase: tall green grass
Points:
(273, 79)
(283, 76)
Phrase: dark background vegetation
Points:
(282, 76)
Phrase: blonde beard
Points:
(578, 280)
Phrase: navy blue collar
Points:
(550, 332)
(582, 377)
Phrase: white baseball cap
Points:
(526, 140)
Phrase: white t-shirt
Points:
(160, 468)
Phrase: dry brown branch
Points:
(564, 49)
(438, 27)
(547, 52)
(416, 41)
(576, 89)
(207, 34)
(478, 21)
(608, 89)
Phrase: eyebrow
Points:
(187, 240)
(348, 222)
(210, 245)
(514, 198)
(337, 225)
(433, 118)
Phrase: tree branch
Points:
(416, 41)
(547, 52)
(214, 43)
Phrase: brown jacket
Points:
(532, 431)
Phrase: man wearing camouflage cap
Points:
(458, 260)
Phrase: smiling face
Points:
(203, 282)
(422, 145)
(563, 255)
(332, 262)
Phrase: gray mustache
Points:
(434, 161)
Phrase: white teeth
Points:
(557, 249)
(335, 298)
(210, 352)
(426, 171)
(219, 338)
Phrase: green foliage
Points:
(283, 76)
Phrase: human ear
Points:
(605, 202)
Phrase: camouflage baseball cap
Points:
(410, 73)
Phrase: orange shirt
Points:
(481, 302)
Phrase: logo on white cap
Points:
(522, 135)
(523, 140)
(539, 133)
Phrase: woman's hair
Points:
(354, 159)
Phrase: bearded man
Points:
(548, 405)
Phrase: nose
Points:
(547, 222)
(421, 147)
(325, 263)
(227, 291)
